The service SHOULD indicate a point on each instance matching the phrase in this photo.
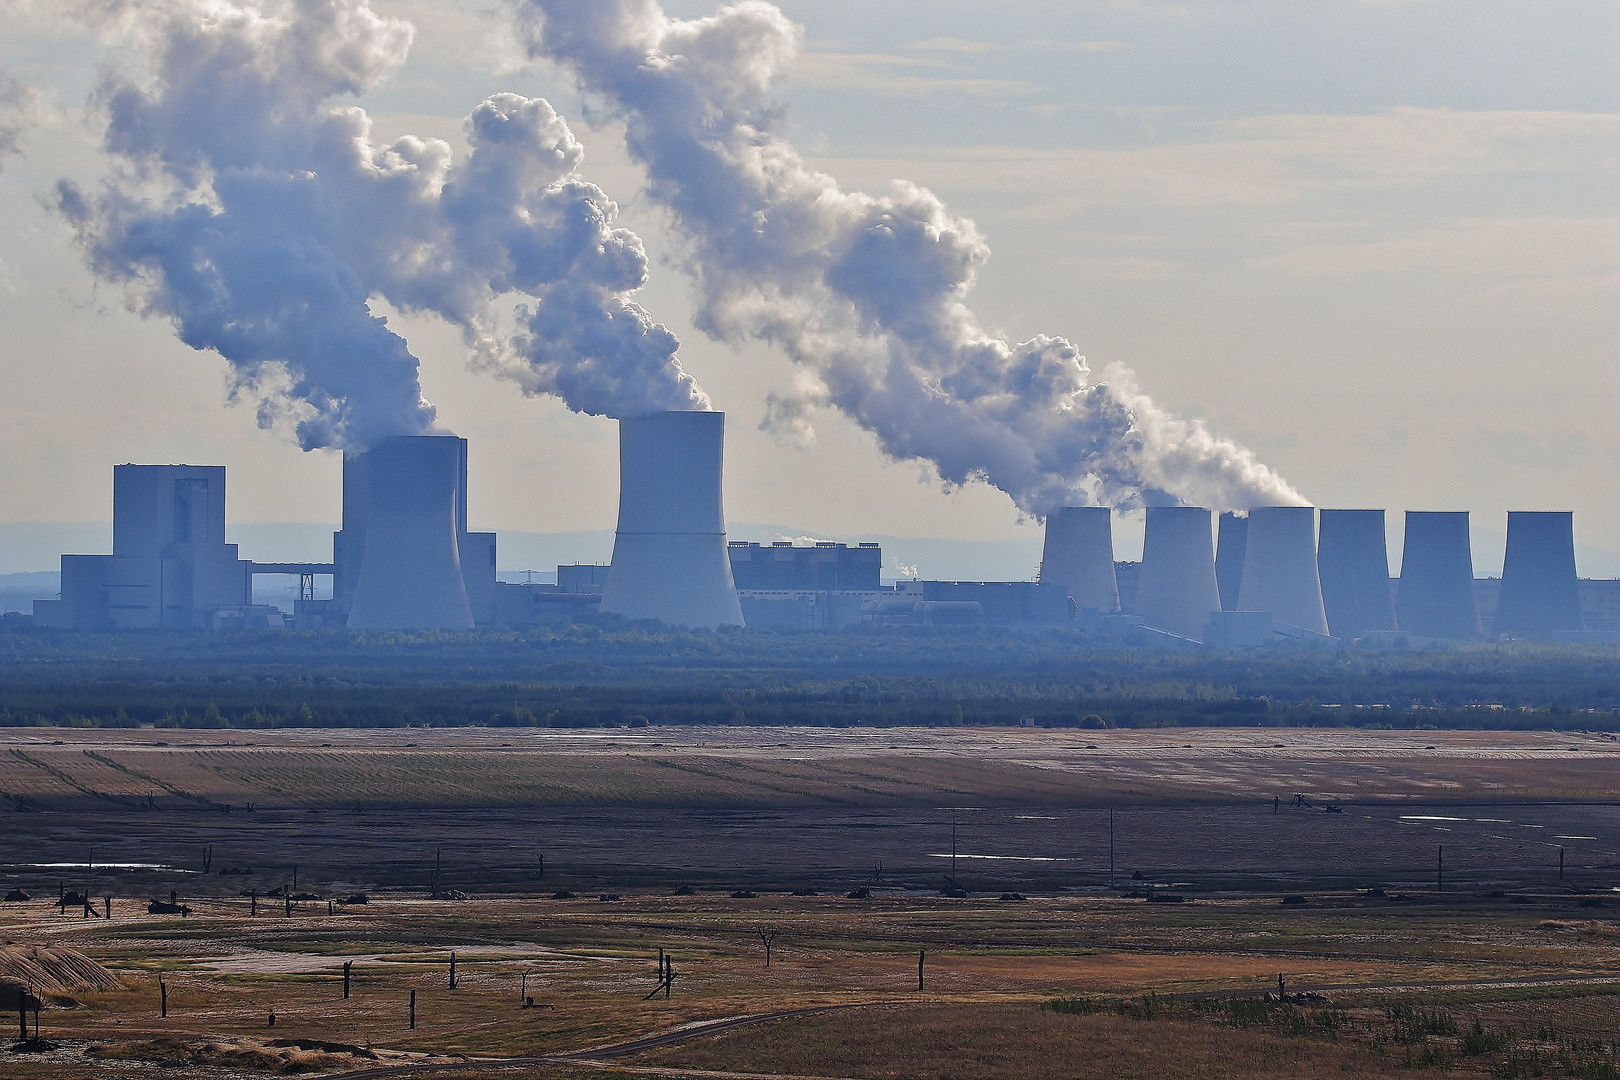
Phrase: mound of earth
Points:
(53, 969)
(173, 1053)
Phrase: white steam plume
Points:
(867, 293)
(261, 219)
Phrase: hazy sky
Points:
(1377, 242)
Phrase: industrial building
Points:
(170, 566)
(1353, 562)
(406, 559)
(1540, 592)
(811, 587)
(1079, 556)
(821, 567)
(1435, 597)
(1177, 589)
(1231, 544)
(1279, 567)
(669, 551)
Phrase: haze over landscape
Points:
(810, 541)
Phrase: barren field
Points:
(466, 843)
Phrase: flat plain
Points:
(1083, 903)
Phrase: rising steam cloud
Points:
(868, 294)
(260, 218)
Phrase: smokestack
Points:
(1436, 596)
(1232, 538)
(1079, 555)
(410, 573)
(1539, 591)
(1178, 590)
(1279, 567)
(669, 555)
(1353, 563)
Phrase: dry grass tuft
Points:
(176, 1052)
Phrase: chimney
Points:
(669, 554)
(1079, 555)
(1232, 537)
(1436, 595)
(1539, 591)
(1353, 562)
(1279, 567)
(1178, 591)
(410, 573)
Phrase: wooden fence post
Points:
(163, 989)
(920, 954)
(452, 971)
(413, 1010)
(347, 964)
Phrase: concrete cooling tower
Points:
(1436, 594)
(1177, 590)
(1352, 560)
(410, 575)
(1539, 591)
(1079, 555)
(669, 554)
(1279, 567)
(1231, 538)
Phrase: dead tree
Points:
(766, 936)
(666, 976)
(207, 859)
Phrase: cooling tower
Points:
(1539, 591)
(1279, 567)
(1177, 590)
(1436, 595)
(1231, 538)
(1352, 560)
(410, 574)
(669, 555)
(1079, 555)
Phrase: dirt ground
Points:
(1346, 904)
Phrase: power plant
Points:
(1079, 556)
(1279, 567)
(669, 552)
(1435, 597)
(414, 518)
(406, 559)
(1178, 590)
(1540, 593)
(1353, 562)
(1231, 543)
